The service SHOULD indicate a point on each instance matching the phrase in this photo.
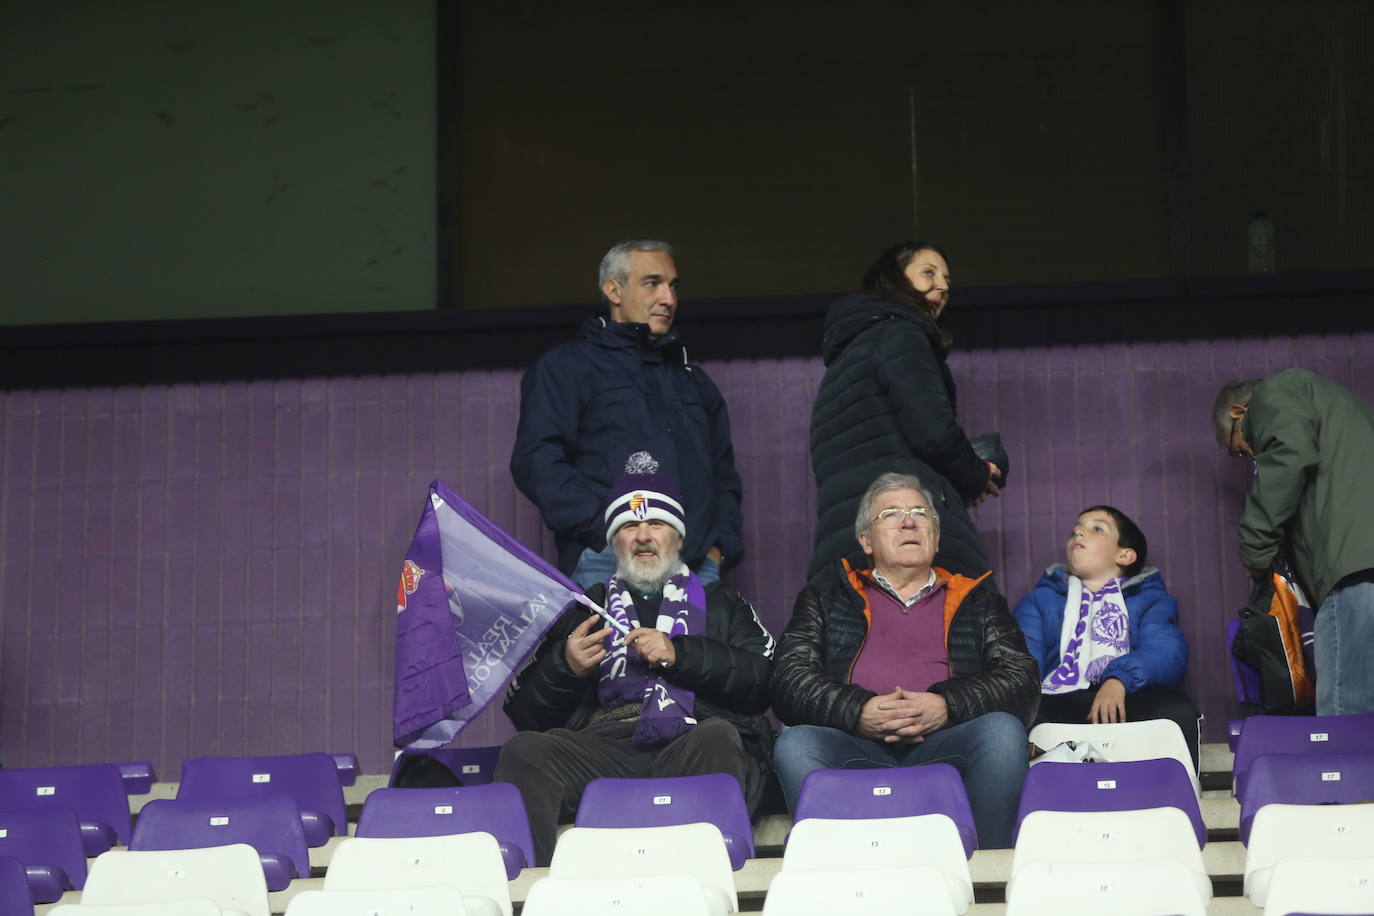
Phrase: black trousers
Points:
(552, 768)
(1145, 703)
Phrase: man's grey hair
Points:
(892, 481)
(616, 264)
(1236, 392)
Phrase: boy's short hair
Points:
(1128, 535)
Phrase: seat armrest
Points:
(97, 837)
(318, 827)
(138, 777)
(46, 882)
(347, 766)
(278, 869)
(514, 857)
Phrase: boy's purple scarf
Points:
(667, 710)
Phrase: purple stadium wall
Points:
(210, 568)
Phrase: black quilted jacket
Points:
(728, 669)
(887, 403)
(988, 662)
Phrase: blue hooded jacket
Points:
(1159, 654)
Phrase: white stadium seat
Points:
(191, 906)
(1086, 837)
(1314, 831)
(470, 863)
(1302, 884)
(614, 852)
(661, 895)
(230, 875)
(437, 900)
(1118, 888)
(890, 842)
(858, 892)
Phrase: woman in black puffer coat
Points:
(887, 403)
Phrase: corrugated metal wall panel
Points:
(208, 568)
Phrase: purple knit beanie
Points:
(643, 493)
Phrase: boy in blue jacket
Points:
(1104, 632)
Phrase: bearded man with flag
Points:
(676, 686)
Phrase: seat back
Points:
(1088, 837)
(312, 780)
(825, 844)
(94, 791)
(50, 836)
(890, 792)
(613, 852)
(1123, 741)
(712, 798)
(1302, 884)
(1119, 888)
(496, 808)
(471, 766)
(1126, 786)
(270, 824)
(1322, 831)
(1353, 734)
(662, 895)
(857, 892)
(14, 887)
(1305, 779)
(191, 906)
(426, 901)
(468, 862)
(229, 875)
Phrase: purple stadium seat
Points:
(271, 824)
(312, 780)
(471, 766)
(14, 888)
(95, 792)
(1352, 734)
(48, 841)
(1126, 786)
(889, 792)
(1233, 727)
(495, 808)
(713, 798)
(347, 767)
(1305, 779)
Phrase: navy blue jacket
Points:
(1159, 653)
(587, 405)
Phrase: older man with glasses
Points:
(904, 664)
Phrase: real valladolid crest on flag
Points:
(472, 605)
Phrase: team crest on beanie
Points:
(642, 493)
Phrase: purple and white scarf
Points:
(1096, 630)
(666, 710)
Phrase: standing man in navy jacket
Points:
(625, 386)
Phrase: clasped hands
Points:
(586, 648)
(902, 716)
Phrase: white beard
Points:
(648, 577)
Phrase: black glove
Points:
(989, 447)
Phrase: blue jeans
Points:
(989, 752)
(1344, 633)
(595, 566)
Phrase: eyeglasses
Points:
(893, 516)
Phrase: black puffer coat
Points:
(887, 403)
(990, 669)
(729, 670)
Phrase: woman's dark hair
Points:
(887, 277)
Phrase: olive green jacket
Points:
(1314, 486)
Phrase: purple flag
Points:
(472, 605)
